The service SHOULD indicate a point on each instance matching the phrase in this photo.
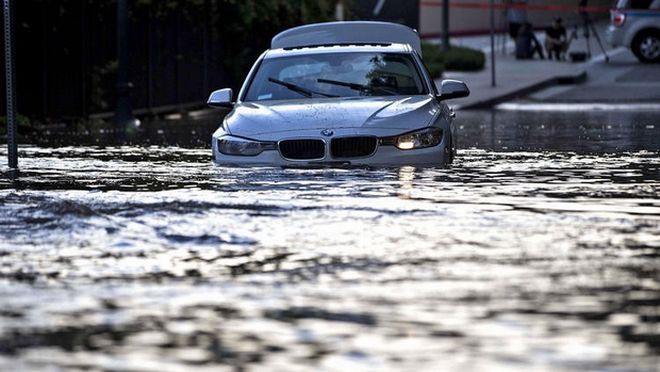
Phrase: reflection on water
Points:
(151, 258)
(406, 178)
(581, 132)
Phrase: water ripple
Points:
(165, 262)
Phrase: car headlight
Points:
(428, 137)
(230, 145)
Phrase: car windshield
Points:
(329, 75)
(634, 4)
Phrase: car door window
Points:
(640, 4)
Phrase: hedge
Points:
(457, 58)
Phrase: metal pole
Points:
(151, 25)
(45, 21)
(83, 60)
(205, 49)
(445, 25)
(12, 153)
(492, 43)
(123, 113)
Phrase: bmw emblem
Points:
(327, 132)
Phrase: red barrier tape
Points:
(532, 7)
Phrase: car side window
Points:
(640, 4)
(428, 73)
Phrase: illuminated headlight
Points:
(418, 140)
(230, 145)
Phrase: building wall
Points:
(476, 21)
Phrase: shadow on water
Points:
(540, 246)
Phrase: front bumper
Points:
(385, 156)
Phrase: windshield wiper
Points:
(298, 89)
(356, 86)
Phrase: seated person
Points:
(555, 39)
(527, 45)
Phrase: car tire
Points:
(646, 46)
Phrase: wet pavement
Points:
(539, 249)
(621, 80)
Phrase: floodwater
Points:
(539, 249)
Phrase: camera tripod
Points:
(589, 26)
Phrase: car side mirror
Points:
(450, 89)
(221, 98)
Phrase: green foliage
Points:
(21, 122)
(247, 27)
(464, 59)
(243, 28)
(98, 94)
(433, 59)
(458, 58)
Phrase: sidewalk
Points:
(624, 80)
(517, 78)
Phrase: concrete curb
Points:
(489, 102)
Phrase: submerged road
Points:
(538, 249)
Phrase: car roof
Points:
(347, 33)
(339, 48)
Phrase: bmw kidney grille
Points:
(302, 149)
(353, 147)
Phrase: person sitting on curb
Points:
(527, 45)
(555, 40)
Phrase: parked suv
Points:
(636, 24)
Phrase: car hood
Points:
(256, 118)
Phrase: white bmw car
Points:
(338, 94)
